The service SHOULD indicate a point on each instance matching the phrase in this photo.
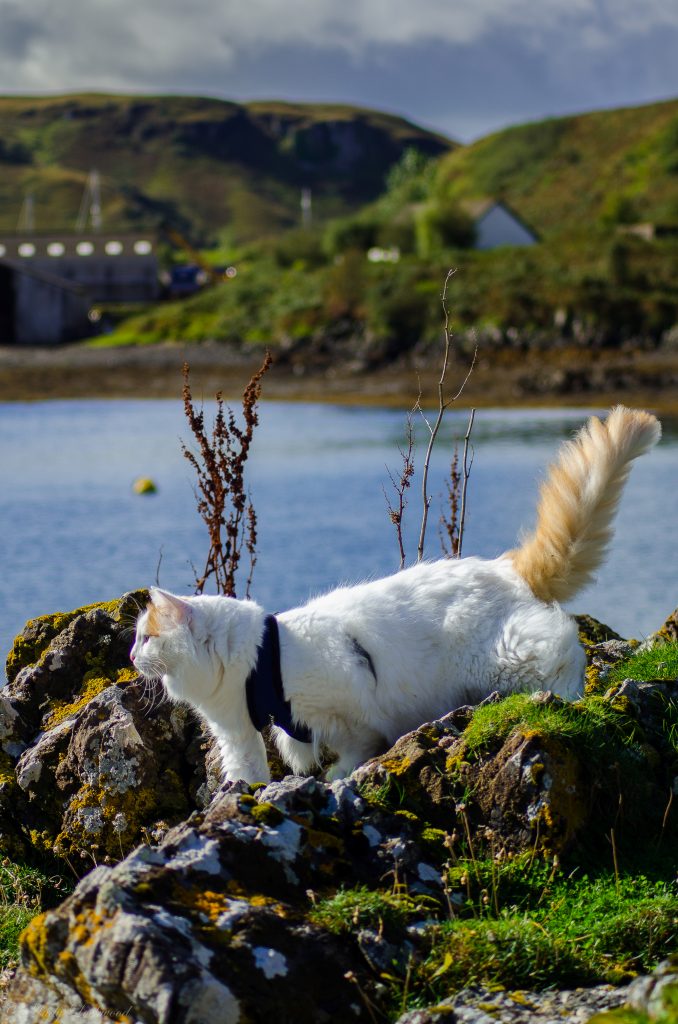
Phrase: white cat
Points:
(360, 666)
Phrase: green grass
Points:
(522, 925)
(583, 933)
(358, 908)
(13, 920)
(659, 662)
(592, 725)
(24, 893)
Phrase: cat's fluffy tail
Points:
(578, 501)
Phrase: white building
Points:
(109, 267)
(40, 309)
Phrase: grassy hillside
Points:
(230, 175)
(220, 171)
(568, 174)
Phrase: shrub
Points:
(442, 225)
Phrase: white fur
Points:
(439, 635)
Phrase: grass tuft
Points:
(564, 932)
(352, 909)
(659, 662)
(24, 893)
(592, 725)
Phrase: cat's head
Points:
(190, 643)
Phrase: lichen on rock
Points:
(96, 759)
(667, 632)
(300, 900)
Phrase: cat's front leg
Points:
(243, 758)
(298, 755)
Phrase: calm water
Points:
(73, 532)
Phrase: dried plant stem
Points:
(221, 496)
(443, 404)
(466, 472)
(401, 485)
(450, 525)
(614, 859)
(666, 815)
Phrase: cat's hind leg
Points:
(354, 748)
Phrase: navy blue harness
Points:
(266, 701)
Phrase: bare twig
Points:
(466, 471)
(443, 404)
(157, 568)
(666, 816)
(251, 545)
(615, 860)
(221, 497)
(450, 525)
(401, 485)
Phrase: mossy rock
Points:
(667, 632)
(215, 917)
(652, 999)
(96, 759)
(38, 633)
(593, 631)
(535, 773)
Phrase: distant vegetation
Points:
(568, 175)
(229, 176)
(221, 172)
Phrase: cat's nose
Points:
(131, 657)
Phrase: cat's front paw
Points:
(338, 771)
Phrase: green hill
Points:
(219, 171)
(565, 175)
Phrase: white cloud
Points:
(64, 43)
(356, 24)
(323, 49)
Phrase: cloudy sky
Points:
(464, 67)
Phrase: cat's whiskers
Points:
(150, 693)
(154, 693)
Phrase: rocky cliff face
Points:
(232, 165)
(299, 901)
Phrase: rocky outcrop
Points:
(217, 911)
(668, 631)
(533, 772)
(482, 1005)
(215, 923)
(94, 760)
(653, 997)
(212, 925)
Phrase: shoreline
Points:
(560, 377)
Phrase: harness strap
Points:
(264, 689)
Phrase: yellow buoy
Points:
(144, 485)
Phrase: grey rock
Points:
(99, 758)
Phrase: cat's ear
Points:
(175, 609)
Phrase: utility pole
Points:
(26, 222)
(306, 208)
(90, 206)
